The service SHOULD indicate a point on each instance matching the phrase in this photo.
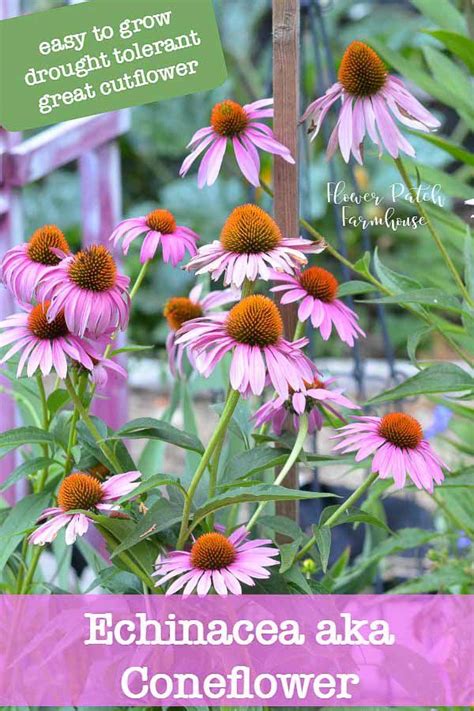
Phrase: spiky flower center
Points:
(229, 119)
(41, 242)
(255, 321)
(40, 327)
(79, 491)
(319, 283)
(94, 269)
(180, 309)
(161, 221)
(250, 230)
(401, 429)
(362, 72)
(212, 551)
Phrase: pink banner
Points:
(333, 650)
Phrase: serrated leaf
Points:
(442, 378)
(149, 428)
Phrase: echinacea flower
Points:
(159, 228)
(217, 561)
(371, 100)
(82, 492)
(24, 265)
(242, 127)
(400, 449)
(181, 309)
(316, 288)
(306, 401)
(90, 291)
(250, 245)
(253, 332)
(44, 343)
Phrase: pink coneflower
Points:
(250, 245)
(317, 288)
(241, 125)
(181, 309)
(223, 562)
(23, 266)
(253, 331)
(82, 492)
(90, 291)
(308, 400)
(369, 97)
(159, 228)
(44, 343)
(399, 446)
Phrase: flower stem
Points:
(214, 442)
(45, 425)
(355, 496)
(299, 331)
(139, 280)
(31, 569)
(72, 430)
(437, 239)
(91, 426)
(294, 454)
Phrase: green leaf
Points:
(149, 428)
(393, 280)
(359, 516)
(162, 515)
(254, 460)
(19, 520)
(142, 553)
(363, 264)
(57, 400)
(458, 44)
(130, 349)
(442, 378)
(254, 494)
(282, 525)
(24, 435)
(448, 146)
(322, 535)
(445, 70)
(355, 287)
(469, 262)
(439, 581)
(450, 184)
(288, 552)
(152, 482)
(28, 468)
(441, 13)
(413, 341)
(459, 480)
(435, 298)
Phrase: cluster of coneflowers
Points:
(72, 306)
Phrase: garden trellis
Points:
(92, 144)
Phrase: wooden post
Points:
(286, 93)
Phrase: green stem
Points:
(299, 330)
(437, 239)
(219, 434)
(380, 287)
(139, 280)
(294, 454)
(355, 496)
(73, 427)
(91, 426)
(31, 569)
(45, 424)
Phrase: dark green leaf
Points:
(149, 428)
(163, 514)
(152, 482)
(24, 435)
(442, 378)
(413, 341)
(57, 400)
(282, 525)
(288, 552)
(427, 297)
(252, 461)
(448, 146)
(355, 287)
